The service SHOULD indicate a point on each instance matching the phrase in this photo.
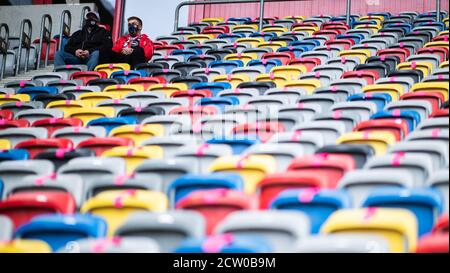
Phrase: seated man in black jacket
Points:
(84, 45)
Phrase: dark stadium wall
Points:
(314, 7)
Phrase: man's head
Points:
(134, 26)
(92, 19)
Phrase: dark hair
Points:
(135, 18)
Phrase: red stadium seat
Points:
(86, 76)
(101, 145)
(434, 243)
(440, 113)
(346, 44)
(52, 124)
(216, 205)
(18, 123)
(333, 166)
(435, 98)
(52, 49)
(37, 146)
(284, 57)
(442, 52)
(398, 127)
(274, 184)
(192, 95)
(264, 130)
(442, 225)
(147, 81)
(22, 207)
(309, 63)
(195, 112)
(369, 76)
(401, 53)
(6, 114)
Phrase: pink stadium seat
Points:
(101, 145)
(398, 127)
(53, 125)
(18, 123)
(36, 146)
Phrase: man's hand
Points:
(127, 51)
(86, 54)
(79, 53)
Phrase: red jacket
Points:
(145, 43)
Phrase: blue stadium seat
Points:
(231, 36)
(127, 75)
(111, 123)
(226, 244)
(412, 117)
(380, 99)
(297, 50)
(38, 90)
(227, 65)
(214, 87)
(237, 144)
(14, 154)
(220, 102)
(186, 53)
(267, 64)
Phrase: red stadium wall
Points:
(313, 7)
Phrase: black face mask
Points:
(133, 29)
(91, 23)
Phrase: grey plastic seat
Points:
(61, 84)
(339, 94)
(37, 114)
(72, 184)
(168, 104)
(92, 169)
(334, 50)
(238, 47)
(282, 229)
(323, 56)
(290, 94)
(17, 108)
(146, 96)
(120, 246)
(221, 125)
(349, 62)
(107, 183)
(434, 123)
(325, 79)
(167, 169)
(17, 135)
(7, 91)
(10, 63)
(167, 38)
(170, 60)
(268, 104)
(390, 38)
(441, 71)
(217, 42)
(170, 144)
(405, 82)
(6, 229)
(288, 120)
(47, 77)
(437, 78)
(252, 72)
(167, 229)
(172, 123)
(424, 108)
(349, 120)
(202, 156)
(324, 100)
(320, 38)
(330, 129)
(420, 167)
(343, 243)
(80, 90)
(32, 58)
(333, 70)
(309, 141)
(432, 150)
(252, 113)
(17, 84)
(15, 171)
(243, 95)
(365, 109)
(258, 51)
(283, 153)
(365, 32)
(71, 69)
(210, 73)
(119, 105)
(77, 135)
(440, 181)
(355, 84)
(440, 136)
(306, 112)
(360, 183)
(431, 58)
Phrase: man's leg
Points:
(137, 57)
(64, 58)
(92, 61)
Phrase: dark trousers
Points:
(135, 58)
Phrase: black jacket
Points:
(91, 42)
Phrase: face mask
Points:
(132, 29)
(91, 23)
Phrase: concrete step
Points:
(26, 76)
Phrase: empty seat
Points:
(344, 243)
(17, 135)
(6, 229)
(14, 171)
(78, 134)
(24, 246)
(113, 246)
(440, 181)
(134, 156)
(226, 243)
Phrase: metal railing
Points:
(45, 36)
(4, 44)
(66, 23)
(24, 43)
(84, 11)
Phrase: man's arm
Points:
(72, 43)
(148, 49)
(105, 42)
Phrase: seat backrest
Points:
(15, 171)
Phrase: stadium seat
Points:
(6, 229)
(111, 68)
(225, 244)
(36, 146)
(168, 229)
(13, 171)
(340, 243)
(24, 246)
(113, 245)
(380, 142)
(440, 181)
(134, 156)
(61, 231)
(398, 226)
(138, 133)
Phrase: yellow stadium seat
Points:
(279, 80)
(379, 141)
(307, 29)
(245, 28)
(135, 156)
(92, 99)
(24, 247)
(14, 98)
(272, 45)
(441, 87)
(213, 21)
(445, 21)
(444, 65)
(200, 37)
(394, 90)
(425, 67)
(233, 79)
(252, 42)
(442, 33)
(308, 85)
(296, 17)
(125, 88)
(374, 28)
(290, 72)
(244, 57)
(437, 44)
(397, 226)
(5, 144)
(362, 54)
(111, 68)
(89, 114)
(116, 206)
(138, 133)
(377, 18)
(66, 105)
(168, 88)
(275, 29)
(252, 168)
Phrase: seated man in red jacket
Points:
(134, 48)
